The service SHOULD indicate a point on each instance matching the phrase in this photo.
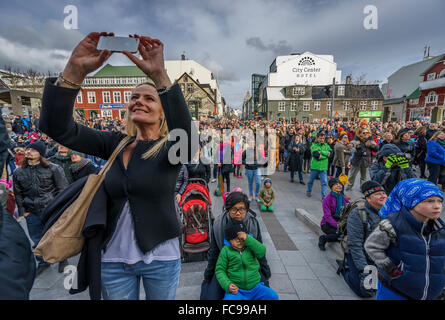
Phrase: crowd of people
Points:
(396, 226)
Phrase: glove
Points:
(392, 161)
(403, 162)
(316, 155)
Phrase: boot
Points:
(62, 265)
(322, 243)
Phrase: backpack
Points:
(344, 214)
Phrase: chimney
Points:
(183, 56)
(348, 79)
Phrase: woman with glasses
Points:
(236, 208)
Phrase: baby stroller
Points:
(196, 211)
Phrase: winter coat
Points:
(240, 268)
(17, 263)
(363, 152)
(267, 194)
(358, 231)
(414, 248)
(295, 158)
(435, 153)
(420, 148)
(325, 151)
(35, 186)
(65, 163)
(407, 148)
(341, 155)
(83, 168)
(199, 170)
(329, 205)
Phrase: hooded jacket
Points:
(240, 267)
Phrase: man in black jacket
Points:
(5, 144)
(36, 183)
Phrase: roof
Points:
(406, 79)
(416, 94)
(120, 71)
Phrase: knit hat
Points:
(232, 228)
(370, 187)
(267, 180)
(321, 134)
(78, 153)
(39, 146)
(333, 182)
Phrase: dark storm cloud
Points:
(279, 48)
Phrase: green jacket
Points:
(324, 149)
(240, 268)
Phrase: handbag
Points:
(64, 238)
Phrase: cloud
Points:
(279, 48)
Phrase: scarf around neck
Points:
(340, 203)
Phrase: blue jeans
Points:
(259, 292)
(323, 181)
(250, 174)
(121, 281)
(285, 159)
(35, 229)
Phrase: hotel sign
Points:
(304, 69)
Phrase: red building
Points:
(429, 99)
(106, 93)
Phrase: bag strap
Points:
(113, 156)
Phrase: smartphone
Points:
(118, 44)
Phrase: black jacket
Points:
(148, 185)
(17, 262)
(198, 170)
(35, 187)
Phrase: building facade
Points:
(106, 92)
(294, 89)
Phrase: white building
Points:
(176, 68)
(303, 69)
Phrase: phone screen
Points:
(118, 44)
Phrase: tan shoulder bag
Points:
(64, 238)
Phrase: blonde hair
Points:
(131, 130)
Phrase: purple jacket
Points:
(329, 205)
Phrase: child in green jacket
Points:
(237, 268)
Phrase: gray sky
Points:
(233, 38)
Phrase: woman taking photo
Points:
(141, 236)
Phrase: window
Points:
(127, 96)
(431, 98)
(341, 91)
(189, 87)
(91, 97)
(106, 97)
(186, 78)
(281, 106)
(306, 106)
(317, 105)
(442, 73)
(182, 87)
(375, 104)
(328, 105)
(363, 105)
(431, 76)
(107, 113)
(79, 97)
(298, 91)
(293, 106)
(117, 97)
(346, 105)
(414, 101)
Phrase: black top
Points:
(148, 185)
